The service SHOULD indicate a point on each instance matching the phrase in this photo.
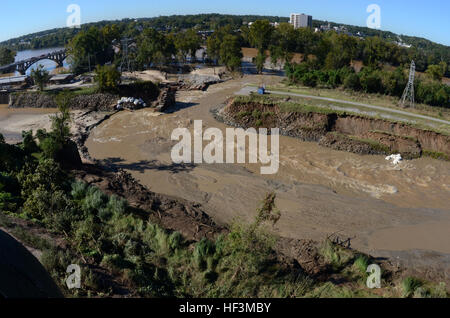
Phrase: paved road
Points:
(248, 89)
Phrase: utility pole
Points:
(89, 61)
(408, 94)
(125, 59)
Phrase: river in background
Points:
(48, 64)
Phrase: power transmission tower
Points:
(125, 64)
(408, 95)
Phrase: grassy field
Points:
(297, 103)
(372, 99)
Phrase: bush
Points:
(394, 82)
(202, 250)
(352, 82)
(409, 286)
(371, 81)
(40, 77)
(309, 79)
(361, 263)
(433, 93)
(107, 78)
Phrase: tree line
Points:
(424, 52)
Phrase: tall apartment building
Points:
(301, 20)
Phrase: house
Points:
(15, 82)
(61, 79)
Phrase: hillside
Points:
(60, 36)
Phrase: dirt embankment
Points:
(190, 219)
(171, 213)
(340, 131)
(149, 92)
(102, 102)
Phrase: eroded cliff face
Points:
(399, 133)
(341, 132)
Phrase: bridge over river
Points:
(22, 66)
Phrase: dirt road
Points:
(247, 90)
(387, 210)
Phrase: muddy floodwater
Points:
(15, 120)
(386, 209)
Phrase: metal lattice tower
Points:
(408, 95)
(125, 64)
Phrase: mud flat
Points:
(14, 121)
(319, 190)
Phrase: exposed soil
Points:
(351, 133)
(319, 190)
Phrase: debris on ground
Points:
(395, 158)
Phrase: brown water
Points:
(319, 191)
(15, 120)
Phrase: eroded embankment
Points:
(162, 96)
(340, 131)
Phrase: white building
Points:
(301, 20)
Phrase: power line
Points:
(408, 94)
(126, 63)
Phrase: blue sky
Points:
(427, 19)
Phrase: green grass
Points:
(337, 256)
(409, 286)
(435, 155)
(360, 97)
(288, 103)
(361, 263)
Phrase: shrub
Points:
(309, 79)
(352, 82)
(335, 255)
(371, 81)
(202, 250)
(175, 240)
(409, 286)
(40, 77)
(361, 263)
(79, 190)
(394, 82)
(433, 93)
(107, 78)
(93, 201)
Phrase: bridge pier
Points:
(22, 71)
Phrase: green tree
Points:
(107, 78)
(213, 43)
(437, 72)
(7, 56)
(154, 48)
(230, 52)
(53, 143)
(260, 34)
(187, 43)
(40, 77)
(283, 44)
(260, 60)
(92, 47)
